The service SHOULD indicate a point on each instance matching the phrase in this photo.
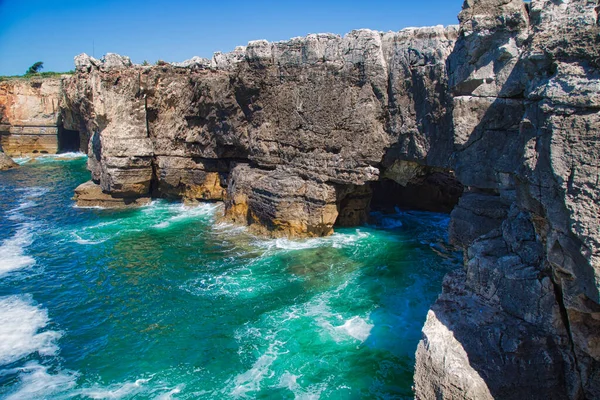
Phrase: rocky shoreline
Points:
(496, 119)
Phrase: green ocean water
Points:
(165, 302)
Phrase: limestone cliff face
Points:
(300, 135)
(310, 120)
(523, 319)
(29, 113)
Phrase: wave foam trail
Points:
(49, 157)
(226, 227)
(37, 383)
(34, 191)
(250, 380)
(117, 391)
(183, 212)
(11, 251)
(169, 395)
(20, 323)
(80, 240)
(337, 240)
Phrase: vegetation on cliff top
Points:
(47, 74)
(34, 72)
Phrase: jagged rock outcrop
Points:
(523, 319)
(6, 162)
(297, 136)
(312, 119)
(90, 195)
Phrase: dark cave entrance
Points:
(436, 192)
(68, 141)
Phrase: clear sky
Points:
(54, 31)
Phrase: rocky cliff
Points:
(29, 115)
(287, 133)
(299, 136)
(522, 320)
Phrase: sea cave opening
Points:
(436, 191)
(430, 190)
(68, 140)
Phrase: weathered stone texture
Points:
(90, 194)
(526, 309)
(320, 113)
(6, 162)
(29, 113)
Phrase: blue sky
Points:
(175, 30)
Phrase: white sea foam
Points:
(334, 324)
(169, 395)
(116, 391)
(183, 212)
(21, 160)
(90, 207)
(101, 225)
(44, 158)
(72, 154)
(229, 228)
(337, 240)
(356, 327)
(80, 240)
(34, 191)
(12, 249)
(250, 381)
(16, 215)
(20, 323)
(28, 194)
(234, 283)
(37, 383)
(288, 381)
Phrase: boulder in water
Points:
(6, 162)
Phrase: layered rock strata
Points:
(29, 115)
(288, 133)
(301, 135)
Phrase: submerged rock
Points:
(6, 162)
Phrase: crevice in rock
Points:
(154, 183)
(558, 293)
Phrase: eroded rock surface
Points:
(526, 309)
(90, 194)
(310, 119)
(29, 113)
(6, 162)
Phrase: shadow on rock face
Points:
(516, 322)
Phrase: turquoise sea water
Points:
(164, 302)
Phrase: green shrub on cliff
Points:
(35, 68)
(48, 74)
